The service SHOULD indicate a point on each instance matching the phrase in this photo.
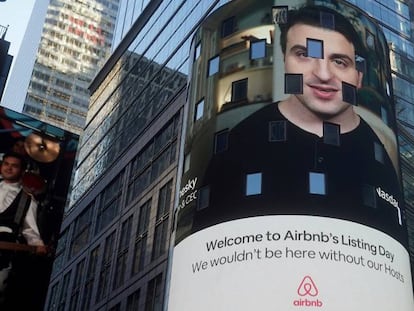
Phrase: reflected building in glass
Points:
(113, 249)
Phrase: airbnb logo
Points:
(307, 288)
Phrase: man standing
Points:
(17, 213)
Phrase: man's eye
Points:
(301, 53)
(340, 62)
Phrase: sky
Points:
(16, 14)
(24, 41)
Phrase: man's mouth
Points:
(323, 91)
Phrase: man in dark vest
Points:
(18, 212)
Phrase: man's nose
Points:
(322, 69)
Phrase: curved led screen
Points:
(290, 194)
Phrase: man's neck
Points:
(299, 115)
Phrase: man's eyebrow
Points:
(343, 56)
(298, 47)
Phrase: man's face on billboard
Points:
(322, 77)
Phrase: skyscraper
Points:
(5, 59)
(396, 18)
(113, 250)
(75, 42)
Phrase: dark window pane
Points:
(239, 90)
(369, 196)
(379, 152)
(360, 64)
(133, 301)
(384, 115)
(139, 255)
(221, 141)
(293, 83)
(277, 130)
(331, 134)
(327, 20)
(228, 26)
(153, 301)
(349, 93)
(203, 198)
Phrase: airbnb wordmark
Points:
(307, 291)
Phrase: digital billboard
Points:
(291, 192)
(36, 162)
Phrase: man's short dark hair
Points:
(311, 15)
(12, 154)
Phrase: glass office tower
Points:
(115, 235)
(76, 40)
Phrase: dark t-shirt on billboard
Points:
(361, 184)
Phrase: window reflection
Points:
(213, 65)
(253, 184)
(258, 49)
(317, 183)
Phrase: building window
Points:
(81, 231)
(159, 245)
(239, 90)
(141, 238)
(384, 115)
(90, 279)
(117, 307)
(317, 183)
(133, 301)
(277, 131)
(153, 301)
(187, 161)
(60, 252)
(213, 65)
(331, 133)
(53, 297)
(370, 39)
(293, 83)
(203, 198)
(280, 13)
(314, 48)
(79, 272)
(369, 195)
(349, 93)
(109, 205)
(64, 291)
(106, 267)
(253, 184)
(121, 261)
(221, 141)
(197, 51)
(199, 110)
(258, 49)
(379, 152)
(228, 27)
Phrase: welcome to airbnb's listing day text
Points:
(247, 248)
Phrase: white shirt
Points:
(30, 230)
